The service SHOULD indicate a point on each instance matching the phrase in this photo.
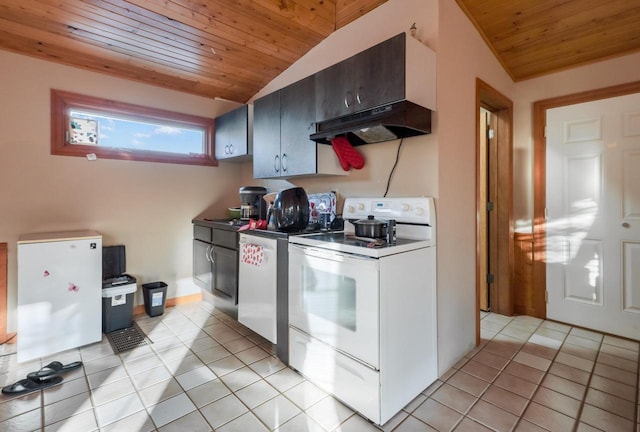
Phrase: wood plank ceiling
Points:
(536, 37)
(232, 48)
(216, 48)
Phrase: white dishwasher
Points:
(257, 284)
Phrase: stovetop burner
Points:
(415, 223)
(346, 242)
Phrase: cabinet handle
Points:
(206, 253)
(359, 98)
(276, 164)
(284, 162)
(230, 149)
(211, 255)
(348, 97)
(226, 149)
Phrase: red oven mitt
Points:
(347, 155)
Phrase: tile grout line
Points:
(587, 387)
(501, 371)
(539, 384)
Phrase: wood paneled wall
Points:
(524, 292)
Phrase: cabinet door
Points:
(202, 269)
(231, 133)
(373, 77)
(380, 74)
(297, 122)
(266, 136)
(334, 95)
(225, 272)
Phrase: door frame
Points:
(491, 99)
(539, 276)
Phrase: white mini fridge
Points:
(59, 292)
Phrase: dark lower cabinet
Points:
(202, 270)
(215, 265)
(225, 272)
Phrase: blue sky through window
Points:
(115, 132)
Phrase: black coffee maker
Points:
(252, 206)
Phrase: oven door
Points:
(334, 298)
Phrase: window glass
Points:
(84, 125)
(329, 296)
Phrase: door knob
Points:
(626, 225)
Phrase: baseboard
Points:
(4, 336)
(139, 310)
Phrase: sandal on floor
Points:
(52, 369)
(27, 385)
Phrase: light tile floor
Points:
(205, 371)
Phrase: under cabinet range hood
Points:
(383, 93)
(384, 123)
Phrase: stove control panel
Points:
(408, 209)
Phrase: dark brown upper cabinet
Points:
(233, 137)
(283, 122)
(373, 77)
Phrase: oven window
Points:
(329, 296)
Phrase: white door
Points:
(593, 215)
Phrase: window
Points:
(86, 125)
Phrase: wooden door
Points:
(488, 179)
(593, 215)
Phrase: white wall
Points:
(146, 206)
(462, 57)
(441, 164)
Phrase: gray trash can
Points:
(117, 307)
(155, 295)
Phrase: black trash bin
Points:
(155, 294)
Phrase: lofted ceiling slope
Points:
(536, 37)
(231, 49)
(215, 48)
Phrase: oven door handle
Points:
(327, 253)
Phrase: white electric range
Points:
(362, 315)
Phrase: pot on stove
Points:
(375, 229)
(370, 227)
